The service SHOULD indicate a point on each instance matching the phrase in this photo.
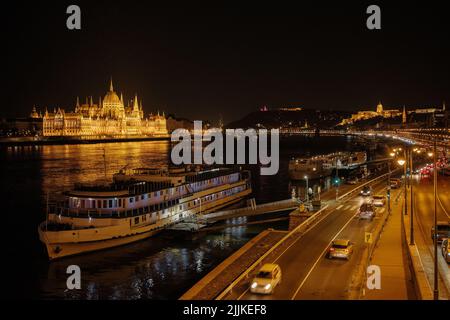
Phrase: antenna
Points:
(46, 214)
(104, 161)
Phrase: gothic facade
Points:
(109, 118)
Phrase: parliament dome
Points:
(111, 98)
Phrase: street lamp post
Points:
(389, 183)
(411, 242)
(436, 285)
(307, 190)
(402, 162)
(337, 180)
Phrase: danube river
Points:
(161, 267)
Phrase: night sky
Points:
(200, 62)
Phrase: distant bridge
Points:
(417, 136)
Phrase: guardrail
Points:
(370, 248)
(235, 211)
(300, 228)
(366, 183)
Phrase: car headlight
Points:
(254, 285)
(267, 287)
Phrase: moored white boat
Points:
(136, 205)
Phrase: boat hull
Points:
(61, 250)
(61, 246)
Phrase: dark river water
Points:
(161, 267)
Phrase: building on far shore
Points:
(109, 118)
(402, 114)
(21, 127)
(365, 115)
(174, 123)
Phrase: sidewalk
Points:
(391, 258)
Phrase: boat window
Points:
(120, 202)
(131, 200)
(99, 204)
(94, 204)
(82, 204)
(105, 205)
(110, 203)
(136, 220)
(136, 198)
(143, 197)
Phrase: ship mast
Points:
(104, 162)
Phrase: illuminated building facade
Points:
(364, 115)
(109, 118)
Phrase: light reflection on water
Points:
(67, 165)
(153, 269)
(157, 268)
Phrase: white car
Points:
(366, 211)
(379, 200)
(268, 277)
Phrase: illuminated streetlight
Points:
(307, 190)
(401, 162)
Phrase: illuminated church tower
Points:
(112, 105)
(379, 108)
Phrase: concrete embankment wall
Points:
(31, 141)
(217, 280)
(421, 285)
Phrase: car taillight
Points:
(331, 249)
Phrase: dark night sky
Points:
(199, 62)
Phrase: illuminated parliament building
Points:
(109, 118)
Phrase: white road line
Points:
(443, 208)
(320, 257)
(284, 251)
(339, 208)
(347, 207)
(245, 292)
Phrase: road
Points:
(424, 214)
(307, 274)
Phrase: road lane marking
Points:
(442, 207)
(312, 226)
(309, 229)
(320, 258)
